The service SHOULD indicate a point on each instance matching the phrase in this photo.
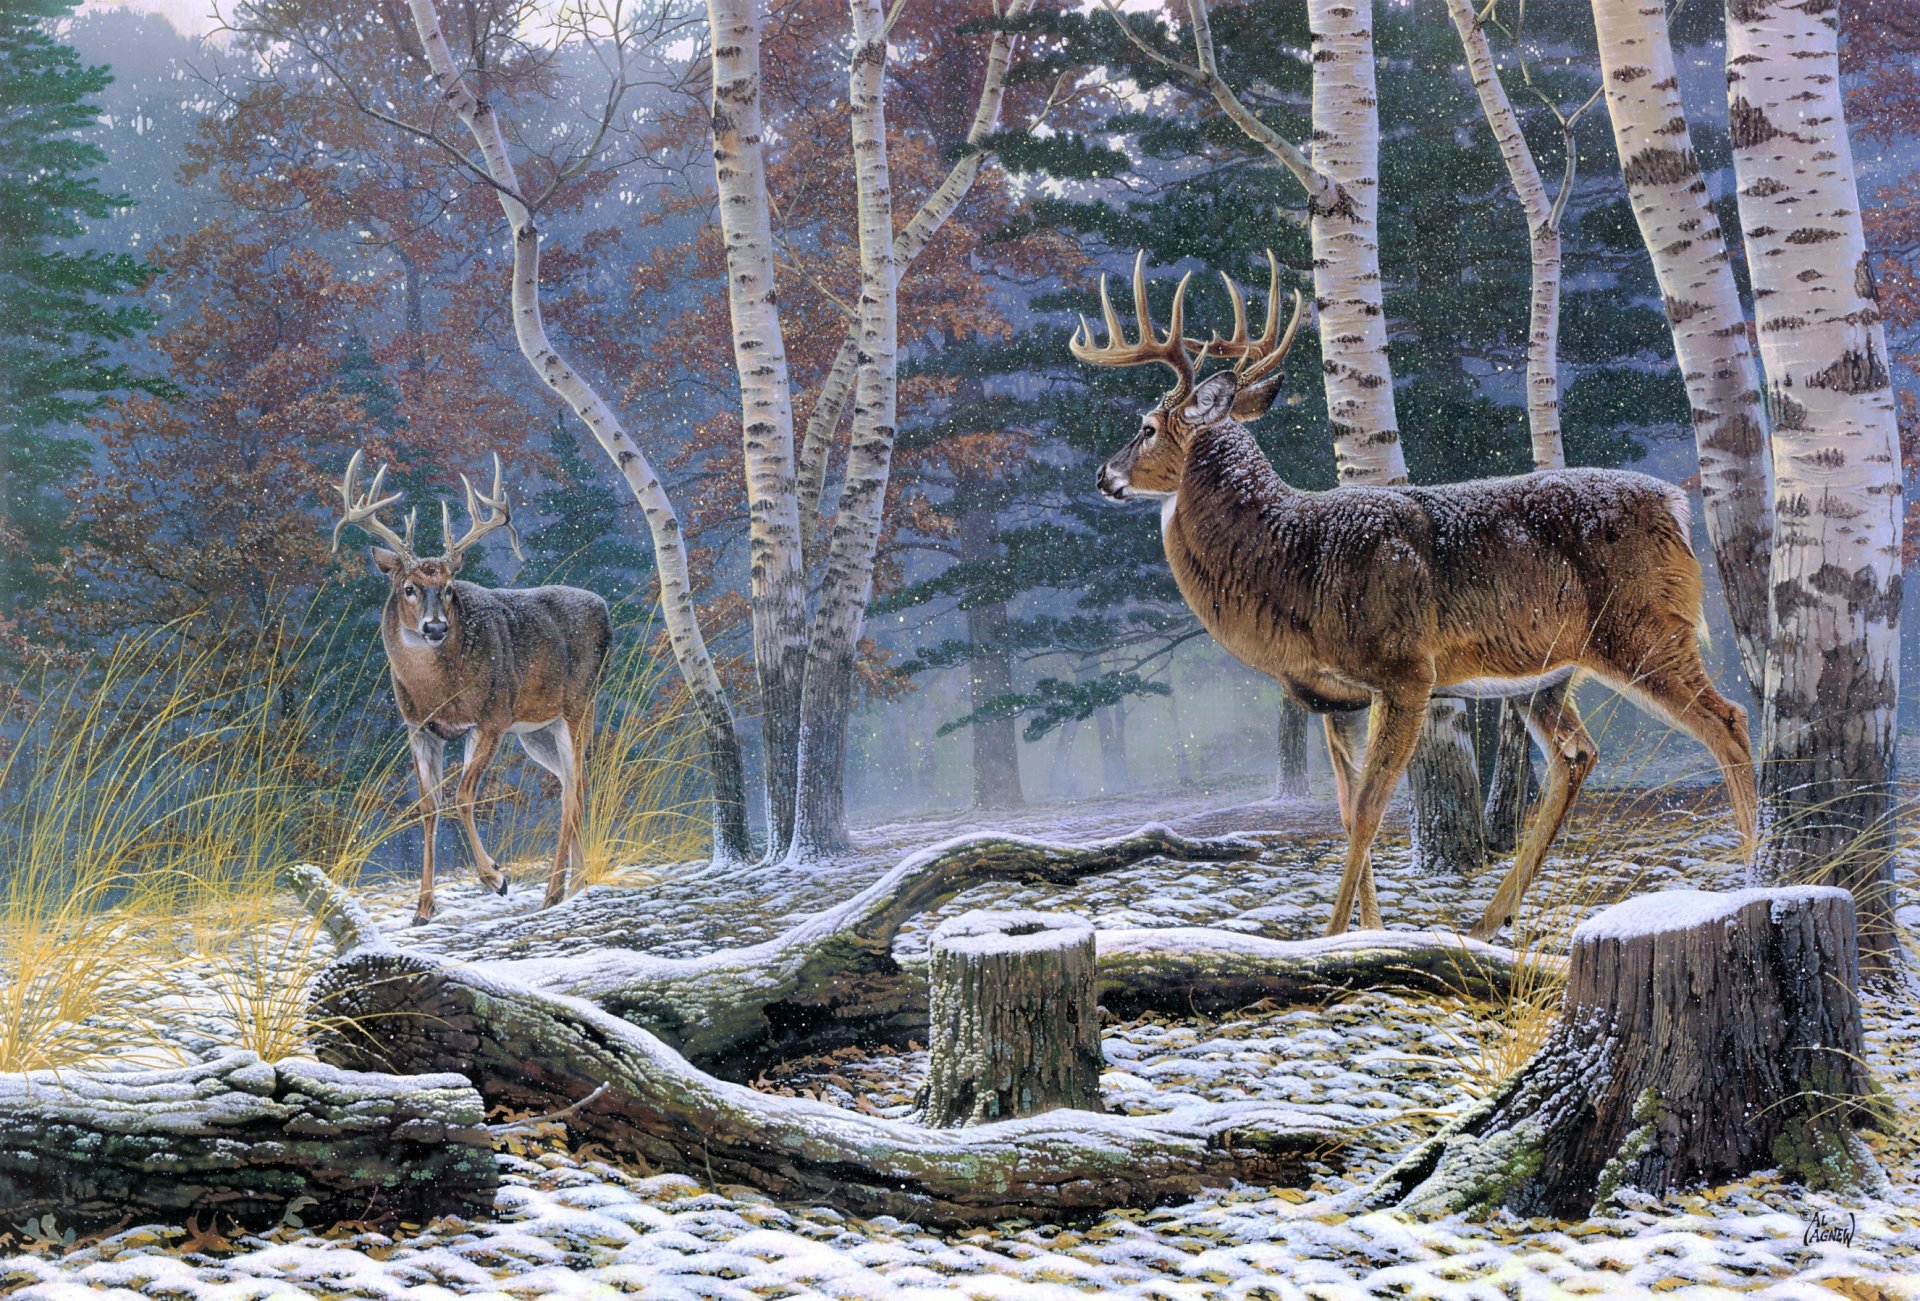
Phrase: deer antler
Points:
(499, 516)
(1259, 357)
(363, 510)
(1118, 350)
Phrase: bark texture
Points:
(1703, 1037)
(243, 1140)
(1827, 733)
(1682, 234)
(820, 819)
(776, 586)
(1290, 782)
(725, 768)
(1012, 1025)
(1515, 784)
(1444, 779)
(626, 1090)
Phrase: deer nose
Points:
(434, 629)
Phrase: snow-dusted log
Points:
(624, 1089)
(1704, 1036)
(832, 978)
(243, 1140)
(1012, 1028)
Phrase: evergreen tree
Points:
(62, 315)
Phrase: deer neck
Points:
(1223, 536)
(427, 679)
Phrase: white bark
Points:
(820, 817)
(931, 215)
(1677, 223)
(776, 581)
(1833, 672)
(1543, 236)
(669, 547)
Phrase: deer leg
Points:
(572, 757)
(482, 745)
(1343, 745)
(1570, 754)
(1395, 728)
(1685, 693)
(429, 766)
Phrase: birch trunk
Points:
(1359, 380)
(820, 816)
(776, 583)
(1827, 734)
(932, 214)
(1513, 779)
(1682, 235)
(669, 547)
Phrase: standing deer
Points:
(1382, 598)
(473, 662)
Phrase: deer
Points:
(481, 664)
(1383, 598)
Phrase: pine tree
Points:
(63, 314)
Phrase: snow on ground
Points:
(568, 1223)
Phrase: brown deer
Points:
(473, 662)
(1381, 598)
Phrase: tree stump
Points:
(1012, 1021)
(243, 1140)
(1703, 1037)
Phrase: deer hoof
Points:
(421, 919)
(501, 888)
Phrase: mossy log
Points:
(1012, 1027)
(240, 1140)
(1703, 1037)
(624, 1089)
(833, 979)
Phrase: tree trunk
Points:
(1832, 685)
(730, 840)
(243, 1140)
(820, 818)
(1682, 234)
(1703, 1037)
(1110, 726)
(996, 740)
(1444, 780)
(932, 214)
(1291, 781)
(1515, 785)
(776, 582)
(1012, 1026)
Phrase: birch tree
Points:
(1341, 179)
(709, 697)
(776, 580)
(1827, 733)
(820, 820)
(1675, 214)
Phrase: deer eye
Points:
(411, 590)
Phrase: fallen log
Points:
(1703, 1037)
(624, 1089)
(1012, 1026)
(241, 1140)
(833, 979)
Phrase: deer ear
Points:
(1212, 399)
(1253, 402)
(387, 562)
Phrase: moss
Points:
(1646, 1112)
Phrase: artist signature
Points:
(1822, 1228)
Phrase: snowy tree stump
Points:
(1703, 1037)
(1012, 1020)
(241, 1140)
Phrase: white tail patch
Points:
(1682, 511)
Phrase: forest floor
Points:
(571, 1223)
